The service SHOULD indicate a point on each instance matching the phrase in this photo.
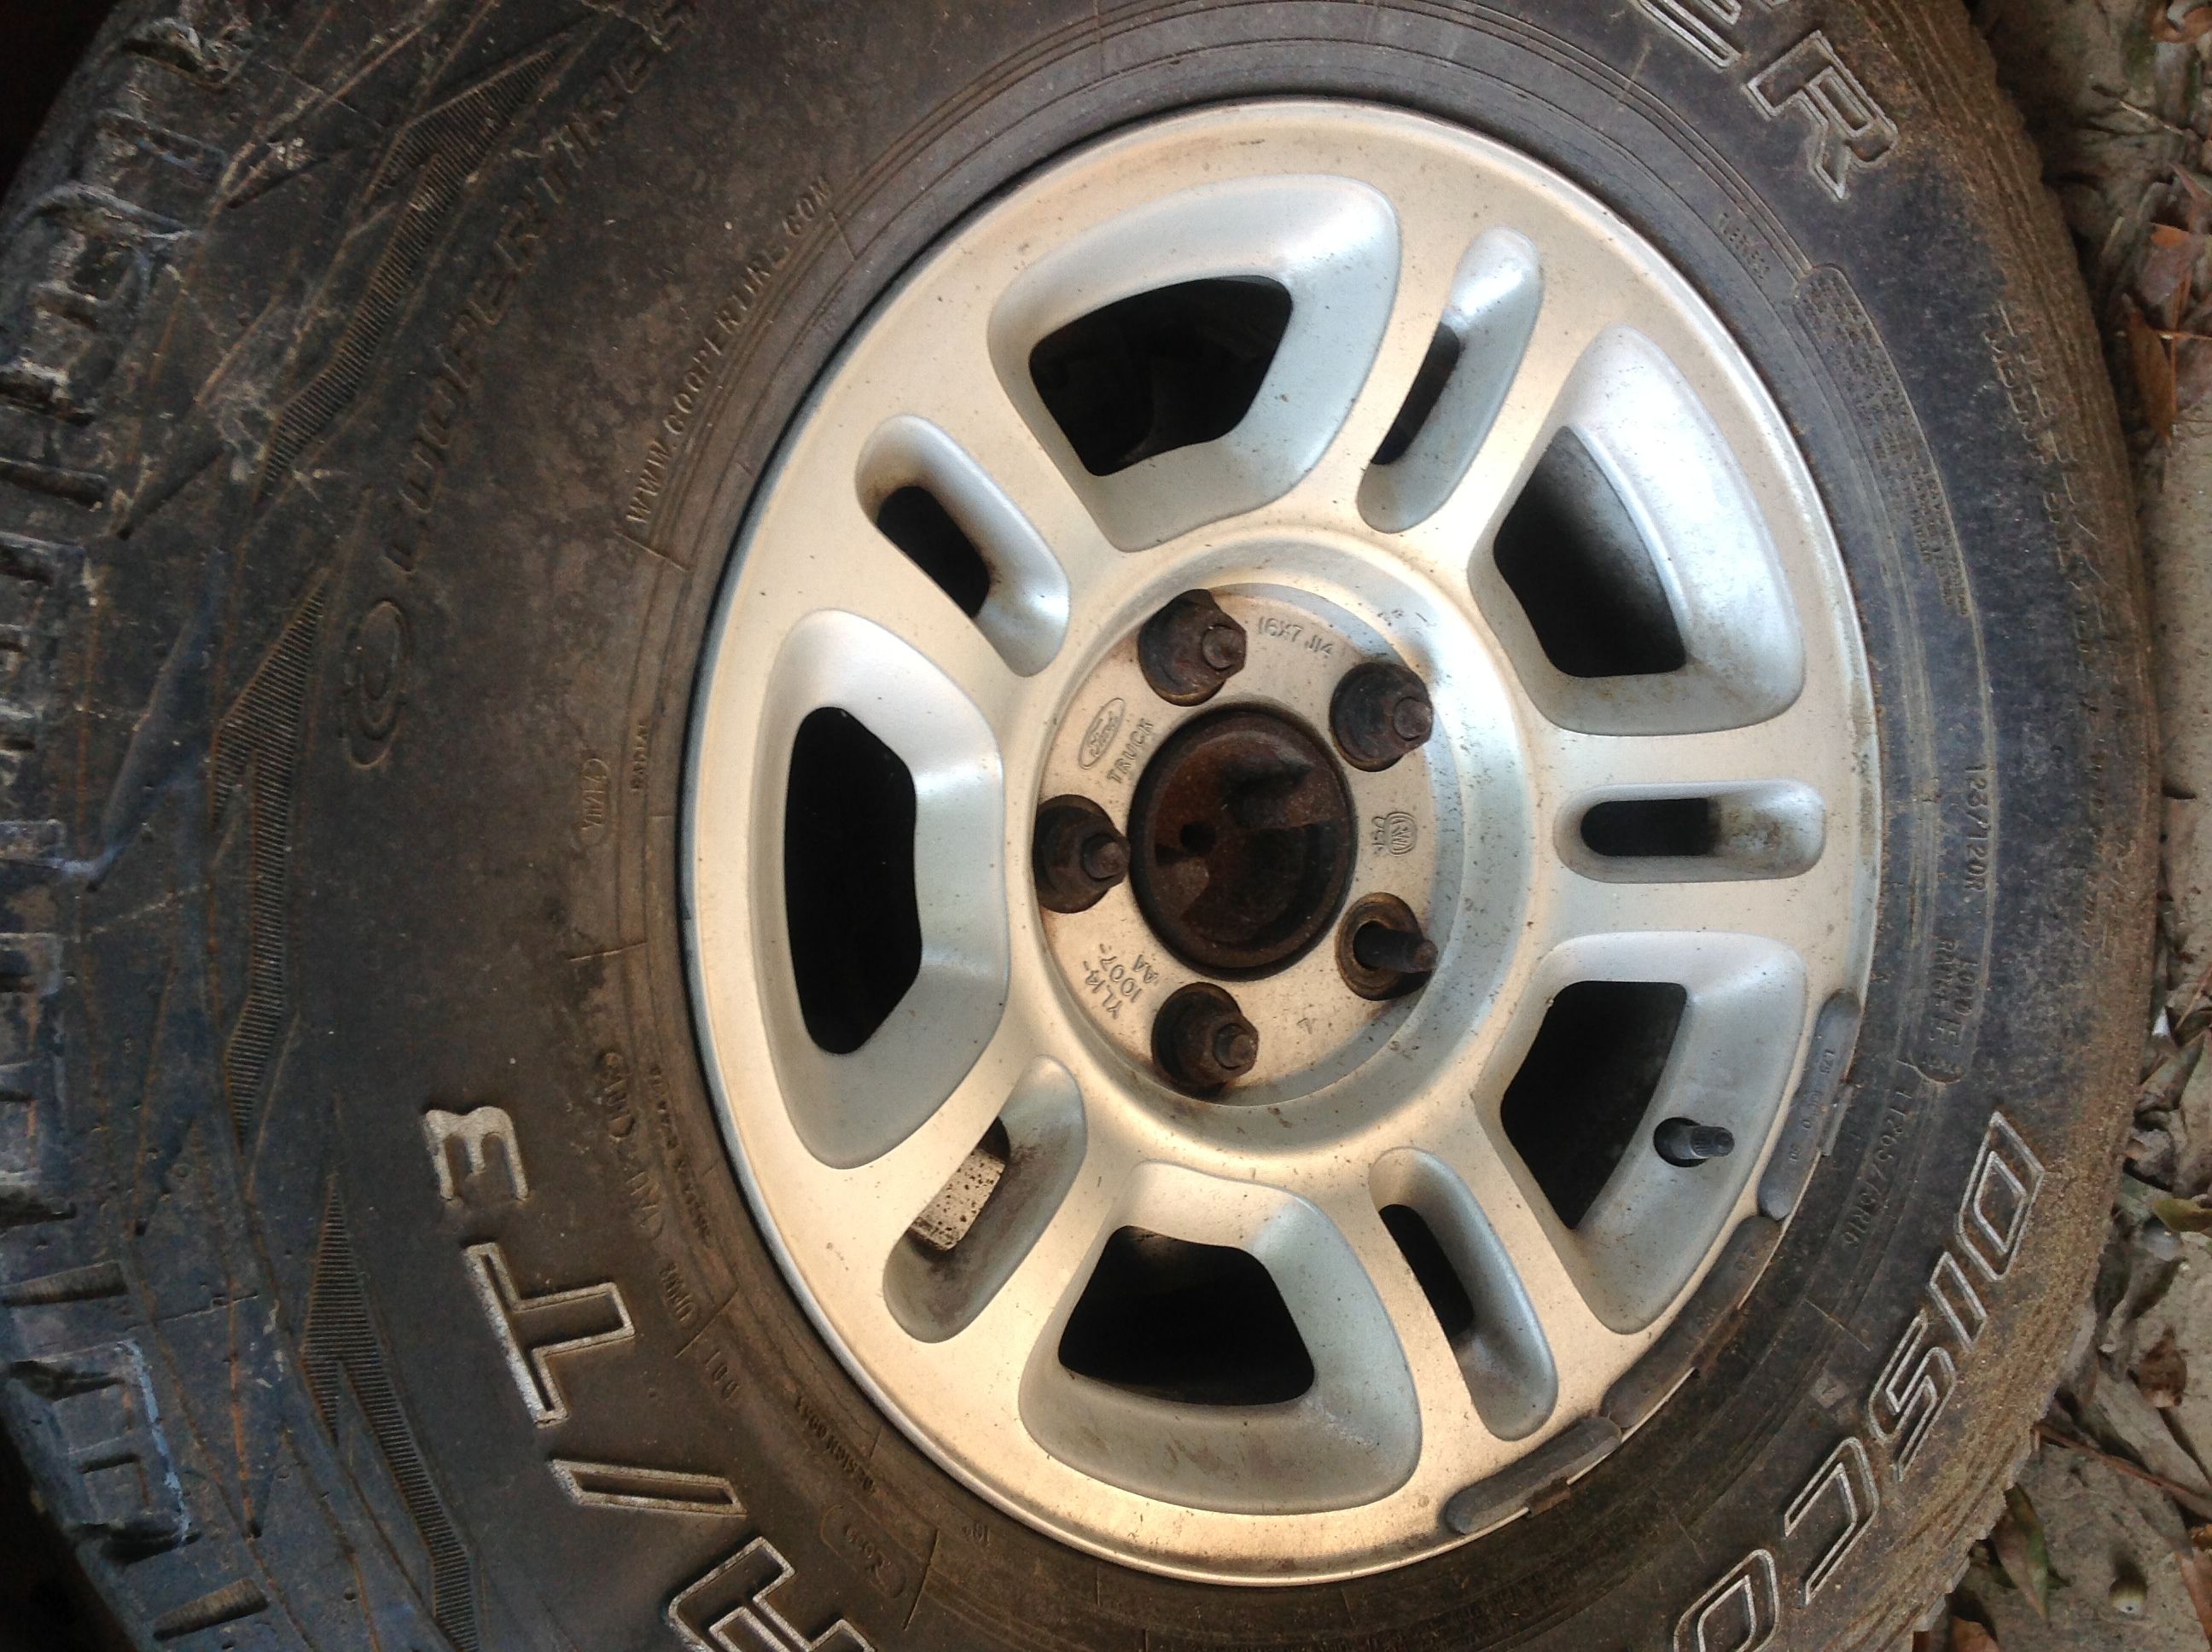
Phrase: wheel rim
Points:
(1152, 1316)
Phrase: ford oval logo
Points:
(1100, 735)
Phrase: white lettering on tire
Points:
(1923, 1369)
(729, 1609)
(733, 1607)
(1737, 1614)
(1849, 131)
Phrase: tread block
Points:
(234, 1601)
(32, 1181)
(87, 1283)
(102, 1403)
(204, 39)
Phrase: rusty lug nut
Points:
(1190, 648)
(1202, 1041)
(1381, 711)
(1077, 854)
(1379, 946)
(1686, 1142)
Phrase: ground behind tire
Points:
(2121, 118)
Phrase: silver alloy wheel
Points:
(940, 1196)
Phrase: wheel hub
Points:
(1253, 824)
(1243, 839)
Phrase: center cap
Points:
(1242, 841)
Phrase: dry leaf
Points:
(2197, 1578)
(2192, 374)
(2193, 1106)
(1968, 1636)
(2154, 1154)
(2163, 1087)
(2199, 212)
(2163, 29)
(2163, 1373)
(2187, 1000)
(2022, 1550)
(2183, 1215)
(2169, 265)
(2153, 359)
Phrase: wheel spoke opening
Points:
(1437, 364)
(881, 945)
(1634, 579)
(1226, 1349)
(849, 890)
(929, 498)
(1579, 1099)
(969, 1239)
(1439, 1281)
(1193, 357)
(1648, 828)
(1470, 1283)
(1570, 551)
(1769, 830)
(1193, 1324)
(1160, 370)
(912, 519)
(1461, 385)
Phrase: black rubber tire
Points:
(383, 385)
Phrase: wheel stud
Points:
(1106, 857)
(1190, 648)
(1077, 854)
(1380, 948)
(1407, 952)
(1686, 1142)
(1381, 711)
(1202, 1041)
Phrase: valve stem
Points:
(1688, 1142)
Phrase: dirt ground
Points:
(2107, 1543)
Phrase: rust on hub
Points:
(1242, 839)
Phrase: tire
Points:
(383, 389)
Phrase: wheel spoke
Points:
(1529, 1235)
(996, 1348)
(1576, 766)
(1449, 1424)
(957, 392)
(881, 585)
(1795, 912)
(1424, 295)
(883, 1197)
(1446, 540)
